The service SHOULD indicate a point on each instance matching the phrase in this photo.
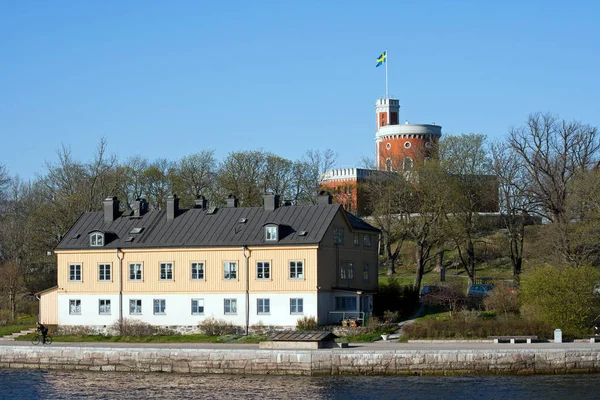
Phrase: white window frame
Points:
(199, 305)
(167, 275)
(162, 306)
(297, 306)
(199, 266)
(141, 271)
(137, 309)
(367, 242)
(102, 272)
(295, 266)
(76, 272)
(264, 268)
(229, 273)
(338, 235)
(104, 307)
(271, 233)
(263, 306)
(231, 304)
(75, 306)
(97, 239)
(347, 271)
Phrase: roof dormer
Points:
(97, 239)
(271, 232)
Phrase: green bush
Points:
(126, 327)
(393, 297)
(562, 297)
(307, 324)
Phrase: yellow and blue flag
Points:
(381, 59)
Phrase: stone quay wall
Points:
(303, 362)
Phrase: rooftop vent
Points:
(302, 233)
(129, 239)
(76, 236)
(211, 211)
(136, 230)
(243, 220)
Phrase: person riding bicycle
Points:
(43, 330)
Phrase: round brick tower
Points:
(401, 146)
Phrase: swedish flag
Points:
(381, 59)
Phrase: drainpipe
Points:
(246, 257)
(120, 256)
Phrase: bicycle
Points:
(38, 338)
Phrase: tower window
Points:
(388, 146)
(407, 145)
(388, 164)
(408, 164)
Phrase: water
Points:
(36, 384)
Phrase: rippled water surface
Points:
(35, 384)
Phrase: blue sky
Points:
(169, 78)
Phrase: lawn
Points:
(20, 324)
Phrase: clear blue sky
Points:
(168, 78)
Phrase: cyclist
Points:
(43, 330)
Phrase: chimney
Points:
(172, 207)
(140, 207)
(111, 209)
(271, 201)
(201, 203)
(231, 201)
(324, 198)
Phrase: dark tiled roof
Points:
(303, 336)
(196, 228)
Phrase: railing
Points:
(359, 316)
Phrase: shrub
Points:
(391, 316)
(450, 296)
(503, 299)
(562, 297)
(391, 296)
(5, 317)
(135, 328)
(306, 324)
(217, 327)
(465, 326)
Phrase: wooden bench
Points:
(512, 339)
(592, 338)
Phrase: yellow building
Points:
(245, 265)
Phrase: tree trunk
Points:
(420, 266)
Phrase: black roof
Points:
(235, 226)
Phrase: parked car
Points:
(427, 290)
(480, 290)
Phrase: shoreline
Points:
(359, 359)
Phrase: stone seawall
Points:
(303, 362)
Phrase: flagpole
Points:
(386, 73)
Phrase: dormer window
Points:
(271, 233)
(97, 239)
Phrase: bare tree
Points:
(158, 179)
(552, 151)
(315, 163)
(195, 175)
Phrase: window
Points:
(407, 145)
(135, 306)
(135, 271)
(97, 239)
(367, 240)
(356, 239)
(230, 270)
(263, 270)
(345, 303)
(296, 269)
(388, 164)
(338, 235)
(160, 306)
(104, 306)
(388, 146)
(366, 271)
(197, 306)
(230, 306)
(271, 233)
(296, 306)
(197, 271)
(166, 271)
(263, 306)
(408, 164)
(104, 272)
(75, 272)
(74, 307)
(347, 270)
